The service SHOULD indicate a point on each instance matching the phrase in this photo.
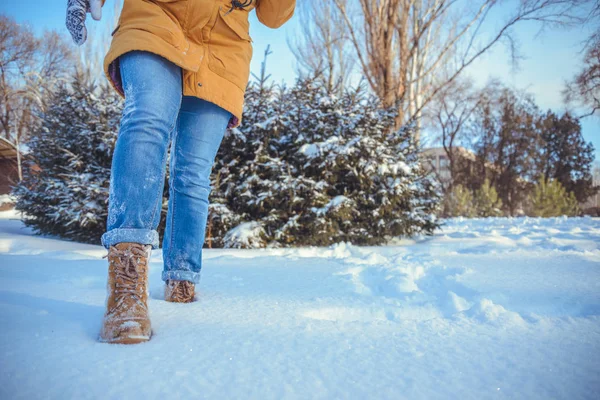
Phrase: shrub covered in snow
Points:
(73, 149)
(306, 168)
(310, 168)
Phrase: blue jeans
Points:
(155, 115)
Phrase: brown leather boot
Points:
(126, 319)
(179, 291)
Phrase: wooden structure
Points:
(9, 166)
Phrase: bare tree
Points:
(451, 118)
(18, 47)
(323, 48)
(584, 89)
(402, 45)
(30, 67)
(595, 200)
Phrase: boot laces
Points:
(128, 268)
(180, 290)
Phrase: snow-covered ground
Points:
(485, 309)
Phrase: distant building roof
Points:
(7, 149)
(441, 151)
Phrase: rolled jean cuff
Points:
(118, 235)
(181, 276)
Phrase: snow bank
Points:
(7, 198)
(491, 308)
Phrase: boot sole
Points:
(132, 339)
(127, 340)
(181, 302)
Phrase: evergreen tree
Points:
(310, 168)
(72, 147)
(507, 146)
(306, 168)
(459, 202)
(486, 201)
(367, 182)
(566, 156)
(245, 168)
(550, 199)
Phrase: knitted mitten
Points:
(76, 13)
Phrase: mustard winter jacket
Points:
(208, 41)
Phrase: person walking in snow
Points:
(182, 67)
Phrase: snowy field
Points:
(485, 309)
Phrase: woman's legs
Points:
(156, 114)
(153, 97)
(198, 135)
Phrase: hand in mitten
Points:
(76, 13)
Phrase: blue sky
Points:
(550, 58)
